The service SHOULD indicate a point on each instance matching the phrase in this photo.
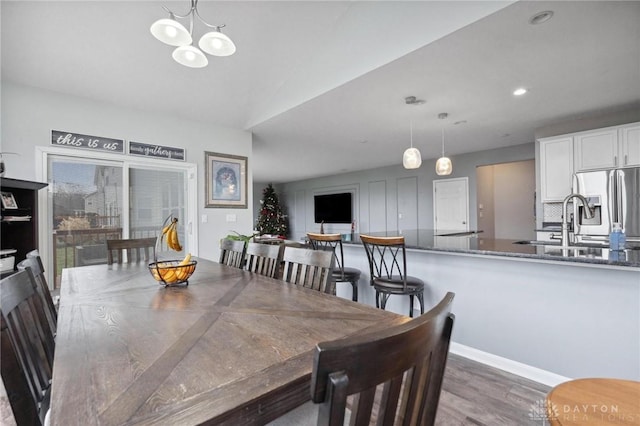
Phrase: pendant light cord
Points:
(443, 141)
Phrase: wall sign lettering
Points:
(95, 143)
(156, 151)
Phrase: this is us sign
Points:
(95, 143)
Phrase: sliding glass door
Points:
(92, 200)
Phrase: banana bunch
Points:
(170, 232)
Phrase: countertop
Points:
(473, 242)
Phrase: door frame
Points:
(45, 222)
(435, 198)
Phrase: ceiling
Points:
(322, 84)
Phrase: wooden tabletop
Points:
(232, 347)
(593, 402)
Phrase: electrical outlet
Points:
(231, 218)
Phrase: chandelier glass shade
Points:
(190, 56)
(411, 159)
(173, 33)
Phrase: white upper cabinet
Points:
(556, 168)
(596, 149)
(617, 146)
(629, 146)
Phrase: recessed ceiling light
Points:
(520, 91)
(541, 17)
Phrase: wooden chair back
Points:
(329, 242)
(309, 268)
(232, 253)
(264, 259)
(28, 345)
(407, 361)
(137, 249)
(34, 263)
(387, 258)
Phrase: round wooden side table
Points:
(592, 402)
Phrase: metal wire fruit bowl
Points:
(172, 272)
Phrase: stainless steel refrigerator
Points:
(614, 196)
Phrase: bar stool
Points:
(341, 274)
(388, 268)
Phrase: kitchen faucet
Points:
(565, 220)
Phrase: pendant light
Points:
(173, 33)
(443, 165)
(411, 158)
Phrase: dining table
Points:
(230, 347)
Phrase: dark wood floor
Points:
(476, 394)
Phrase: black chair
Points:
(28, 348)
(407, 360)
(309, 268)
(34, 263)
(388, 271)
(341, 273)
(264, 259)
(137, 249)
(387, 377)
(232, 252)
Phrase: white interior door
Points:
(451, 205)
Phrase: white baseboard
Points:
(510, 366)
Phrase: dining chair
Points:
(388, 271)
(33, 262)
(309, 268)
(137, 249)
(28, 348)
(264, 259)
(232, 252)
(398, 371)
(341, 273)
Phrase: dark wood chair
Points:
(137, 249)
(34, 263)
(309, 268)
(28, 348)
(341, 273)
(407, 360)
(264, 259)
(232, 252)
(388, 271)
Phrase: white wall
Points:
(28, 115)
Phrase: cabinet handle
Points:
(615, 160)
(625, 160)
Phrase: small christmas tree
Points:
(272, 220)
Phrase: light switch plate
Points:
(205, 218)
(231, 218)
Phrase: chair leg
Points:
(421, 300)
(354, 294)
(411, 305)
(377, 299)
(383, 300)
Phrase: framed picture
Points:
(225, 180)
(8, 202)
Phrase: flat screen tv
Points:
(332, 208)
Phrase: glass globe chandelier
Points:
(411, 159)
(443, 165)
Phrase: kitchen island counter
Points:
(474, 243)
(523, 308)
